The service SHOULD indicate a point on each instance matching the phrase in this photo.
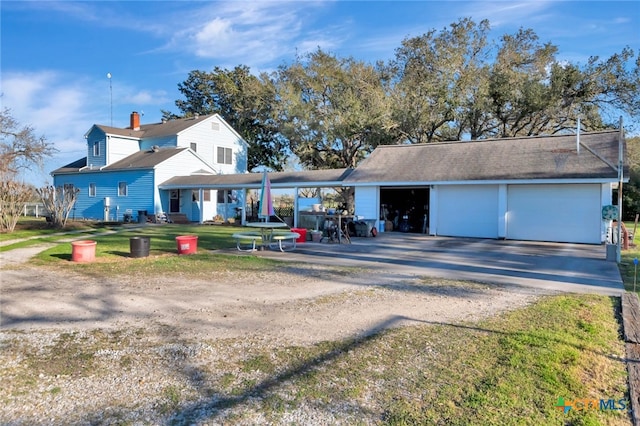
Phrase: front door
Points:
(174, 201)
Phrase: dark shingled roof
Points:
(311, 178)
(542, 157)
(72, 167)
(145, 159)
(154, 130)
(140, 160)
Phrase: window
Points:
(122, 189)
(194, 147)
(224, 155)
(92, 190)
(96, 149)
(195, 195)
(221, 196)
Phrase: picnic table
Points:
(268, 237)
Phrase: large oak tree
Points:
(245, 101)
(456, 84)
(332, 110)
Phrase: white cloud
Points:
(505, 13)
(53, 105)
(256, 34)
(145, 97)
(57, 106)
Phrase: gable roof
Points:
(140, 160)
(167, 128)
(306, 178)
(525, 158)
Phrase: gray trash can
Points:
(139, 246)
(142, 216)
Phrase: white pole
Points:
(578, 137)
(110, 97)
(620, 178)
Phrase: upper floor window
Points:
(96, 149)
(194, 147)
(224, 155)
(92, 190)
(122, 189)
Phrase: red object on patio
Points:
(83, 251)
(187, 244)
(303, 234)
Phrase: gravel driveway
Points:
(169, 323)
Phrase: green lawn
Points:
(627, 266)
(112, 252)
(506, 370)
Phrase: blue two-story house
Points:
(123, 168)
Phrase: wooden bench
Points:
(281, 237)
(246, 237)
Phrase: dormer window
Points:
(96, 149)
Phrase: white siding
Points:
(367, 202)
(466, 211)
(208, 140)
(119, 148)
(186, 163)
(562, 213)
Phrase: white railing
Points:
(34, 209)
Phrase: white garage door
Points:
(468, 211)
(562, 213)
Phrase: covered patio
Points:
(243, 183)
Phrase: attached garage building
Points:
(547, 188)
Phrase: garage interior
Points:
(405, 209)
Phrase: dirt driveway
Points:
(163, 344)
(299, 305)
(329, 292)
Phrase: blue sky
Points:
(55, 56)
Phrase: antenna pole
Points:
(110, 97)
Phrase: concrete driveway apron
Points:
(580, 268)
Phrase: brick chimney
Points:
(135, 121)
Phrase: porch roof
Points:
(304, 179)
